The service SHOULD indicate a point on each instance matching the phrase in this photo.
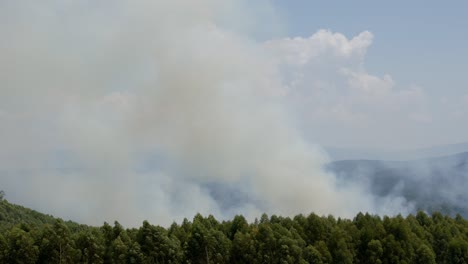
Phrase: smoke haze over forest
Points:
(158, 110)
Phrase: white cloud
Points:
(329, 86)
(368, 85)
(300, 51)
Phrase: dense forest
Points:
(27, 236)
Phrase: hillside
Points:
(434, 184)
(12, 214)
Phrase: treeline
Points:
(419, 238)
(12, 214)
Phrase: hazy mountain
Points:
(336, 153)
(438, 183)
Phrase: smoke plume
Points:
(157, 110)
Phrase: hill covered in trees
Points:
(432, 184)
(31, 237)
(12, 214)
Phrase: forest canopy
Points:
(30, 237)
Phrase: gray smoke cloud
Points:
(136, 110)
(428, 184)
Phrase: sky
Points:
(412, 38)
(157, 108)
(418, 43)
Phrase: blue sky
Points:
(422, 42)
(417, 43)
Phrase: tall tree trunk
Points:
(207, 258)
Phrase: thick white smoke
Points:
(134, 110)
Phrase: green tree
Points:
(3, 249)
(243, 248)
(206, 244)
(119, 251)
(312, 255)
(21, 247)
(374, 252)
(339, 247)
(239, 224)
(458, 251)
(266, 243)
(317, 229)
(156, 246)
(425, 255)
(321, 247)
(91, 247)
(134, 254)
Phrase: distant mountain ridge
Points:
(336, 153)
(432, 184)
